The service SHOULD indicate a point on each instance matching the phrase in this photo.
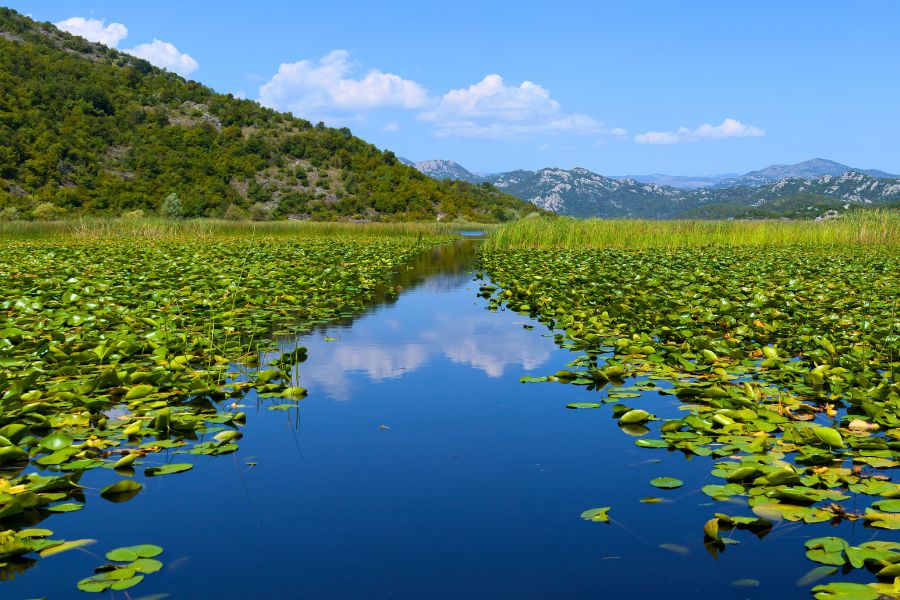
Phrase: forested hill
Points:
(85, 129)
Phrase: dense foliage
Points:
(784, 358)
(89, 130)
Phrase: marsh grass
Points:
(872, 227)
(212, 229)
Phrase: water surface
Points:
(419, 467)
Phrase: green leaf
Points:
(65, 546)
(599, 515)
(168, 469)
(139, 391)
(577, 405)
(121, 491)
(634, 416)
(829, 436)
(56, 441)
(666, 483)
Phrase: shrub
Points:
(235, 213)
(47, 211)
(260, 212)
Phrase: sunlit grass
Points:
(874, 227)
(94, 228)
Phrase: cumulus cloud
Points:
(158, 53)
(730, 128)
(326, 88)
(490, 109)
(165, 56)
(95, 30)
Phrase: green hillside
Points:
(89, 130)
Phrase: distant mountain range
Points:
(810, 189)
(808, 169)
(686, 182)
(444, 169)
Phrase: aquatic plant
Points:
(784, 357)
(870, 227)
(119, 353)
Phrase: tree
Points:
(171, 207)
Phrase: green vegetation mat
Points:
(115, 351)
(784, 358)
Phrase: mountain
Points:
(680, 181)
(447, 169)
(581, 193)
(808, 169)
(86, 129)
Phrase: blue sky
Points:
(619, 88)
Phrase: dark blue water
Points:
(419, 467)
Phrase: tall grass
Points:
(872, 227)
(211, 229)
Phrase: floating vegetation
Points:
(128, 569)
(120, 354)
(783, 358)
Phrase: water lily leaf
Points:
(294, 393)
(814, 575)
(56, 441)
(711, 529)
(645, 443)
(829, 436)
(577, 405)
(675, 548)
(132, 553)
(887, 505)
(168, 469)
(666, 483)
(124, 584)
(882, 520)
(652, 500)
(139, 391)
(146, 565)
(599, 515)
(70, 507)
(634, 416)
(845, 591)
(65, 546)
(745, 583)
(121, 491)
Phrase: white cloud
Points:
(391, 127)
(94, 30)
(730, 128)
(490, 109)
(158, 53)
(315, 90)
(165, 56)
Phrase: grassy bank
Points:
(865, 227)
(193, 229)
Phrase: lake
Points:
(420, 467)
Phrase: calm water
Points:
(419, 467)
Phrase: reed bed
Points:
(873, 227)
(212, 229)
